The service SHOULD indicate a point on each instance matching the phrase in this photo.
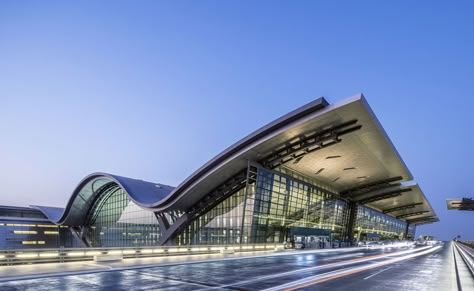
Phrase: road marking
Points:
(368, 277)
(426, 272)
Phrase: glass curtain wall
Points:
(284, 205)
(115, 221)
(374, 225)
(268, 211)
(22, 235)
(221, 225)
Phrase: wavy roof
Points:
(363, 157)
(83, 197)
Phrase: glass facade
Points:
(27, 228)
(273, 208)
(115, 221)
(33, 235)
(374, 225)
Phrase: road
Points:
(422, 268)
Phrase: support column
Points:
(406, 231)
(351, 222)
(252, 173)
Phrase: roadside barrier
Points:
(35, 256)
(467, 255)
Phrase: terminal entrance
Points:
(309, 238)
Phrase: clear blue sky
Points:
(154, 89)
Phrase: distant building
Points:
(460, 204)
(24, 227)
(323, 172)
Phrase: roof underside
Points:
(361, 157)
(410, 205)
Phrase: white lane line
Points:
(368, 277)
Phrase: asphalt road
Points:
(427, 268)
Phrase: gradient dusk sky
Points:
(154, 89)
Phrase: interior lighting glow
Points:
(25, 232)
(75, 254)
(51, 232)
(93, 253)
(146, 251)
(115, 252)
(47, 225)
(48, 255)
(128, 252)
(27, 256)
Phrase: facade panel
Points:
(116, 221)
(26, 228)
(371, 224)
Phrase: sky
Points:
(154, 89)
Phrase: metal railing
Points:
(34, 256)
(467, 255)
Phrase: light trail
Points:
(323, 266)
(313, 280)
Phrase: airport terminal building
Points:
(325, 172)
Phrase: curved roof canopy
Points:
(361, 164)
(89, 190)
(366, 156)
(368, 152)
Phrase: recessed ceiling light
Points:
(319, 171)
(332, 157)
(336, 179)
(297, 160)
(350, 168)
